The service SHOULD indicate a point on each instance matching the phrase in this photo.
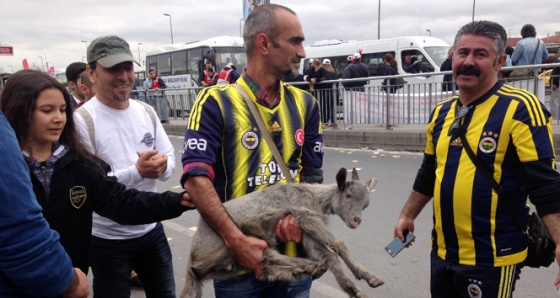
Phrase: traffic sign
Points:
(7, 50)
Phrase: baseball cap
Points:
(357, 56)
(326, 61)
(229, 65)
(109, 51)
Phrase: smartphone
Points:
(397, 245)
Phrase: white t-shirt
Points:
(119, 134)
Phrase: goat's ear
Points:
(341, 178)
(355, 175)
(371, 184)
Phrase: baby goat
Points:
(257, 214)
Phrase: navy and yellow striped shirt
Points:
(508, 129)
(223, 140)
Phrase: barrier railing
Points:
(343, 107)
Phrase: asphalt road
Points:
(406, 275)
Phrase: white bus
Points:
(430, 51)
(182, 65)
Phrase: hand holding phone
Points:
(397, 245)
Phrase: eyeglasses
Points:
(460, 114)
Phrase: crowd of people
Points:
(79, 187)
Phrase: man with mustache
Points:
(477, 246)
(128, 135)
(225, 155)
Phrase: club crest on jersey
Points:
(78, 196)
(488, 142)
(300, 137)
(148, 140)
(250, 140)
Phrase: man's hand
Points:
(402, 225)
(557, 281)
(186, 201)
(248, 251)
(79, 287)
(288, 230)
(150, 164)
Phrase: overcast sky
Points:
(56, 28)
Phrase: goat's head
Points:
(353, 197)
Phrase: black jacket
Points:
(356, 70)
(319, 76)
(77, 189)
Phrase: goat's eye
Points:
(348, 196)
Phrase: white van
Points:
(430, 51)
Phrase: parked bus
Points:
(430, 51)
(182, 65)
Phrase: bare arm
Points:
(552, 222)
(247, 251)
(412, 207)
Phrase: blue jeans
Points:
(112, 261)
(247, 286)
(450, 280)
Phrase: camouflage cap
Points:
(109, 51)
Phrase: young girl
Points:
(69, 182)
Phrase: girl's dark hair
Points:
(18, 102)
(391, 60)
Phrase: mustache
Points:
(468, 70)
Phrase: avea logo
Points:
(195, 144)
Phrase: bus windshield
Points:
(235, 55)
(438, 54)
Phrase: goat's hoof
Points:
(375, 281)
(361, 295)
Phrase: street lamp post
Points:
(139, 52)
(379, 20)
(240, 24)
(429, 31)
(85, 43)
(42, 69)
(170, 26)
(473, 3)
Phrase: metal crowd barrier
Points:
(343, 107)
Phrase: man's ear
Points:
(91, 74)
(263, 43)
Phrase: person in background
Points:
(506, 73)
(210, 78)
(529, 50)
(390, 70)
(411, 65)
(69, 182)
(447, 65)
(225, 155)
(158, 96)
(73, 72)
(147, 85)
(128, 135)
(477, 246)
(356, 70)
(87, 88)
(32, 260)
(227, 75)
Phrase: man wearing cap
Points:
(128, 135)
(73, 73)
(228, 75)
(357, 69)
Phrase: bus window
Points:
(375, 64)
(152, 63)
(194, 69)
(179, 62)
(438, 54)
(163, 65)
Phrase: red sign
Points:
(6, 50)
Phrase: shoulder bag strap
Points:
(536, 50)
(265, 133)
(486, 173)
(89, 125)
